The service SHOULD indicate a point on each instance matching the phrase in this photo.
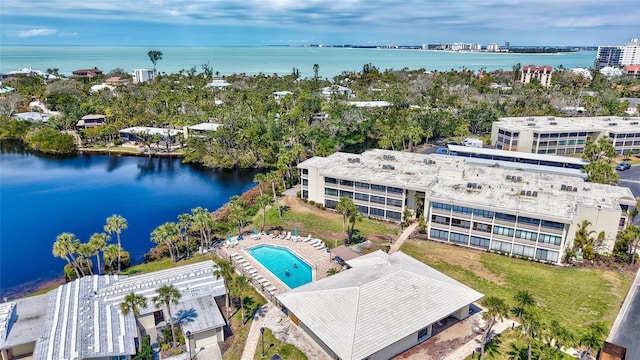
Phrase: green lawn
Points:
(575, 297)
(274, 346)
(325, 224)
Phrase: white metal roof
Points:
(367, 308)
(518, 155)
(205, 127)
(150, 131)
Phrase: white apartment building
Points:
(541, 73)
(618, 56)
(142, 75)
(506, 210)
(493, 47)
(564, 136)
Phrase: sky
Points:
(307, 22)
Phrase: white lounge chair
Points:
(288, 237)
(308, 238)
(271, 288)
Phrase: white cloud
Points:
(36, 32)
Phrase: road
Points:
(626, 329)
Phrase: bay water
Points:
(41, 197)
(272, 59)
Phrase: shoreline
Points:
(92, 151)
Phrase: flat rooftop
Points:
(24, 324)
(150, 131)
(451, 178)
(555, 124)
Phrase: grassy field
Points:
(575, 297)
(323, 224)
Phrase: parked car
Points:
(623, 166)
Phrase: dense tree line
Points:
(260, 131)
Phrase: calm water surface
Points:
(269, 60)
(42, 197)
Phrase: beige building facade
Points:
(532, 215)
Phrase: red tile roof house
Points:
(87, 72)
(90, 121)
(632, 70)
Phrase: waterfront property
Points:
(564, 136)
(139, 133)
(201, 129)
(619, 55)
(383, 305)
(528, 214)
(86, 73)
(91, 121)
(283, 264)
(83, 320)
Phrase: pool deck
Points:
(318, 259)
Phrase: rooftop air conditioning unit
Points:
(553, 123)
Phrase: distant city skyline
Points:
(291, 22)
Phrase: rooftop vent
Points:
(534, 194)
(553, 123)
(508, 177)
(634, 123)
(528, 192)
(428, 161)
(522, 192)
(531, 119)
(626, 118)
(388, 157)
(388, 167)
(531, 124)
(613, 124)
(551, 118)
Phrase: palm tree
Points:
(115, 224)
(316, 69)
(111, 255)
(85, 251)
(241, 286)
(272, 177)
(523, 299)
(594, 337)
(132, 304)
(260, 178)
(203, 223)
(496, 308)
(350, 215)
(98, 242)
(185, 221)
(167, 295)
(155, 56)
(64, 247)
(237, 212)
(224, 271)
(559, 335)
(263, 201)
(332, 271)
(167, 233)
(530, 326)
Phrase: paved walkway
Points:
(254, 333)
(404, 236)
(474, 345)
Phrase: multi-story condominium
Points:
(541, 73)
(618, 56)
(142, 75)
(511, 211)
(493, 47)
(564, 136)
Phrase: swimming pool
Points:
(284, 264)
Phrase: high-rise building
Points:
(618, 56)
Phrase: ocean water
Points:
(42, 197)
(269, 60)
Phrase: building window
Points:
(346, 183)
(377, 199)
(423, 333)
(330, 180)
(376, 212)
(547, 255)
(552, 224)
(483, 213)
(363, 209)
(506, 217)
(379, 188)
(330, 191)
(504, 231)
(305, 171)
(461, 223)
(441, 206)
(462, 210)
(526, 235)
(482, 227)
(523, 250)
(479, 242)
(305, 182)
(501, 246)
(305, 194)
(329, 204)
(347, 194)
(440, 219)
(395, 215)
(360, 196)
(528, 221)
(550, 239)
(362, 185)
(394, 202)
(394, 190)
(459, 238)
(439, 234)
